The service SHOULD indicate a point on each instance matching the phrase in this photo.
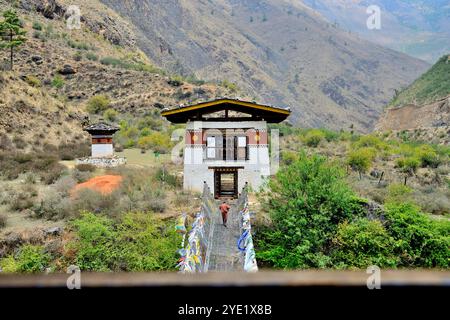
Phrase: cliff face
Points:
(429, 122)
(279, 51)
(411, 116)
(423, 108)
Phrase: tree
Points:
(11, 33)
(361, 159)
(306, 201)
(98, 104)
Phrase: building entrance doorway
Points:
(225, 182)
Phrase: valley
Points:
(364, 156)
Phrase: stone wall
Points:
(103, 162)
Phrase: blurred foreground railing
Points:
(194, 256)
(388, 278)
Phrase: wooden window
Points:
(227, 148)
(211, 147)
(241, 149)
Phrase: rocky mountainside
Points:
(43, 100)
(420, 28)
(428, 122)
(423, 108)
(279, 51)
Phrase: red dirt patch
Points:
(103, 184)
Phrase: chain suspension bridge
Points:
(210, 246)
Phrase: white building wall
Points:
(255, 170)
(102, 150)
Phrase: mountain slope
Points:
(420, 28)
(279, 51)
(43, 101)
(429, 87)
(423, 108)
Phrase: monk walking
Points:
(224, 208)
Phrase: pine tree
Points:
(11, 33)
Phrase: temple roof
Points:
(101, 126)
(183, 114)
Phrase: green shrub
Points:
(157, 205)
(229, 85)
(19, 142)
(175, 81)
(110, 61)
(330, 135)
(345, 136)
(57, 82)
(153, 122)
(306, 201)
(422, 241)
(9, 265)
(22, 197)
(53, 173)
(163, 176)
(39, 35)
(91, 56)
(93, 246)
(97, 104)
(130, 132)
(408, 164)
(137, 242)
(71, 151)
(139, 66)
(146, 243)
(363, 243)
(91, 200)
(31, 259)
(55, 205)
(22, 158)
(156, 141)
(370, 141)
(145, 132)
(398, 192)
(78, 45)
(314, 137)
(37, 26)
(192, 79)
(428, 156)
(14, 164)
(110, 115)
(33, 81)
(49, 31)
(78, 56)
(130, 143)
(81, 176)
(288, 157)
(361, 159)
